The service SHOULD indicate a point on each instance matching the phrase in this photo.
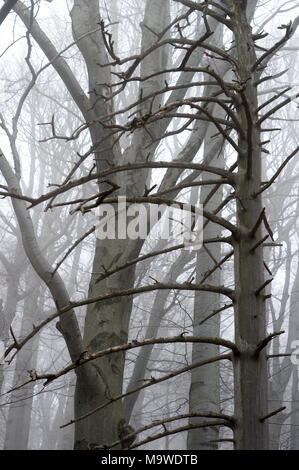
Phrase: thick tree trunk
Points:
(250, 366)
(107, 323)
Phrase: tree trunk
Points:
(19, 415)
(250, 366)
(107, 323)
(204, 389)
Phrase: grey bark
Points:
(205, 386)
(250, 369)
(19, 415)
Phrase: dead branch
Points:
(162, 422)
(282, 408)
(152, 381)
(133, 291)
(277, 173)
(133, 166)
(266, 341)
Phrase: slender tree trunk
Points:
(157, 313)
(19, 415)
(205, 381)
(204, 389)
(295, 411)
(14, 271)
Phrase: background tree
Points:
(186, 109)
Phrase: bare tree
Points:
(180, 92)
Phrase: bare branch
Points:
(266, 341)
(164, 421)
(277, 173)
(282, 408)
(151, 382)
(203, 7)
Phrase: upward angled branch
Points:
(277, 173)
(290, 31)
(58, 62)
(203, 7)
(68, 324)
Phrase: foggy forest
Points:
(149, 206)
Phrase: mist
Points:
(149, 267)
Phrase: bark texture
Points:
(250, 366)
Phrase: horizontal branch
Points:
(272, 356)
(164, 421)
(5, 194)
(181, 429)
(133, 166)
(123, 293)
(151, 382)
(169, 202)
(107, 273)
(86, 357)
(191, 184)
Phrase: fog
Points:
(149, 268)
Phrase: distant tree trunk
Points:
(289, 371)
(62, 439)
(279, 372)
(14, 271)
(295, 411)
(282, 371)
(205, 382)
(158, 311)
(19, 415)
(204, 392)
